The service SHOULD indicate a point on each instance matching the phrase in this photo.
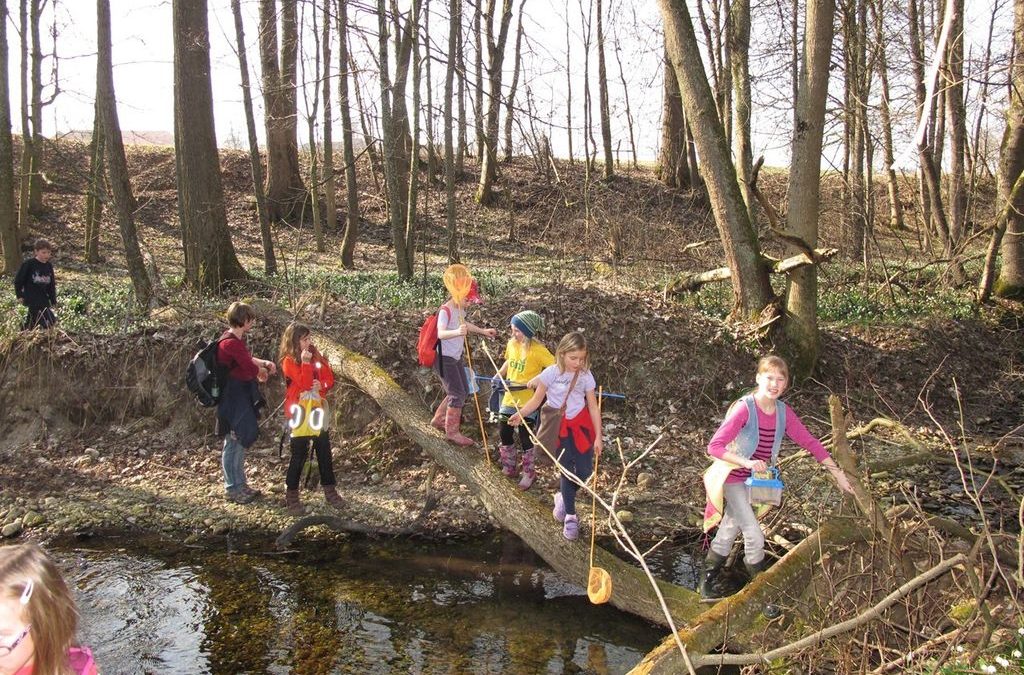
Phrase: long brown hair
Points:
(49, 609)
(290, 341)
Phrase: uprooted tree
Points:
(878, 556)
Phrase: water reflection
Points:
(358, 607)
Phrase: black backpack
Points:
(204, 376)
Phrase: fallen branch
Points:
(839, 628)
(688, 283)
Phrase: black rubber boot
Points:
(756, 568)
(712, 566)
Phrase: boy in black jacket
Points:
(36, 287)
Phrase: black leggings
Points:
(507, 432)
(300, 450)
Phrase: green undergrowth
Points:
(856, 304)
(106, 306)
(1007, 658)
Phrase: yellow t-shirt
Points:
(524, 364)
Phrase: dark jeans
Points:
(580, 464)
(300, 450)
(39, 317)
(507, 433)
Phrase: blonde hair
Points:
(290, 341)
(238, 313)
(50, 608)
(572, 342)
(772, 362)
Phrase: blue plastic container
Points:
(765, 487)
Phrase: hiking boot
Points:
(755, 569)
(240, 497)
(529, 472)
(571, 528)
(709, 575)
(438, 420)
(508, 459)
(293, 504)
(332, 497)
(559, 511)
(255, 494)
(452, 421)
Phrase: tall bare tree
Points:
(1010, 282)
(739, 54)
(672, 165)
(602, 89)
(312, 108)
(32, 107)
(120, 185)
(210, 259)
(495, 61)
(285, 190)
(751, 290)
(511, 101)
(399, 168)
(9, 239)
(97, 185)
(803, 193)
(348, 241)
(454, 39)
(255, 164)
(885, 112)
(953, 86)
(330, 186)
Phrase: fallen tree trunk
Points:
(519, 512)
(688, 283)
(735, 614)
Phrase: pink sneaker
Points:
(571, 529)
(559, 511)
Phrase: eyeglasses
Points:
(6, 650)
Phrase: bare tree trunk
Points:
(35, 194)
(27, 151)
(977, 157)
(413, 185)
(751, 290)
(454, 40)
(120, 185)
(255, 165)
(510, 102)
(629, 110)
(285, 190)
(854, 107)
(1010, 282)
(954, 90)
(568, 84)
(10, 240)
(882, 63)
(97, 186)
(803, 192)
(496, 54)
(351, 236)
(398, 159)
(330, 185)
(478, 85)
(672, 164)
(739, 52)
(210, 260)
(460, 66)
(602, 89)
(314, 152)
(588, 114)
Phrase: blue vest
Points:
(746, 441)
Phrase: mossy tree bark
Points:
(1010, 282)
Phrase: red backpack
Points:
(427, 345)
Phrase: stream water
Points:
(359, 606)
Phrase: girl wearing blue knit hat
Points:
(525, 358)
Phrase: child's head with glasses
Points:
(37, 613)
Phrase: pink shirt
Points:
(795, 431)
